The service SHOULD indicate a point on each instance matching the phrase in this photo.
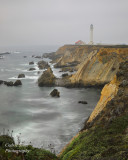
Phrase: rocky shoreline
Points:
(94, 66)
(105, 132)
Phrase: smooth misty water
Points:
(31, 111)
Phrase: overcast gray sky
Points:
(38, 22)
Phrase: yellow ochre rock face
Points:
(99, 67)
(117, 89)
(109, 91)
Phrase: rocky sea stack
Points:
(47, 78)
(55, 93)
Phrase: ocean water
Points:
(31, 111)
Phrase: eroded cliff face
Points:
(72, 53)
(99, 67)
(95, 65)
(114, 94)
(105, 133)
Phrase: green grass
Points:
(32, 154)
(8, 150)
(101, 141)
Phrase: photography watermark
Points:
(17, 151)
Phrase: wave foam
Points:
(26, 77)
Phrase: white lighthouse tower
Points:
(91, 34)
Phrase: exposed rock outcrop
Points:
(47, 78)
(31, 63)
(17, 83)
(1, 82)
(114, 96)
(83, 102)
(10, 84)
(5, 53)
(55, 93)
(37, 57)
(21, 75)
(43, 65)
(104, 135)
(32, 69)
(99, 67)
(53, 56)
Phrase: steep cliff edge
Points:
(95, 65)
(99, 67)
(73, 53)
(105, 133)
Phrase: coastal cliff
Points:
(95, 65)
(72, 54)
(105, 133)
(100, 66)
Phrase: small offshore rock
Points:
(17, 83)
(21, 76)
(30, 63)
(10, 84)
(32, 69)
(55, 93)
(83, 102)
(38, 57)
(1, 82)
(25, 56)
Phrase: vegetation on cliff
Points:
(11, 151)
(105, 134)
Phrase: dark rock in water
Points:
(5, 53)
(33, 55)
(25, 56)
(38, 72)
(1, 82)
(38, 57)
(43, 65)
(30, 63)
(55, 93)
(21, 76)
(17, 83)
(83, 102)
(32, 69)
(65, 75)
(47, 78)
(8, 83)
